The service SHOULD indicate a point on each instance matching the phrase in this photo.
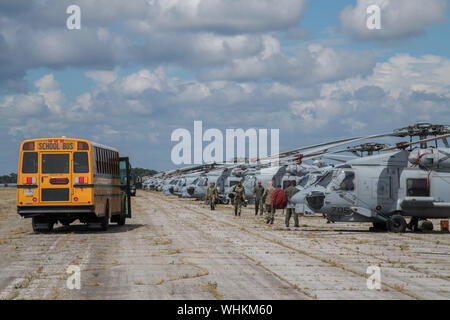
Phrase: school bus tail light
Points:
(81, 180)
(29, 180)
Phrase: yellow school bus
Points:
(63, 180)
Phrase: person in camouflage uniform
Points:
(212, 194)
(239, 197)
(267, 198)
(258, 192)
(290, 208)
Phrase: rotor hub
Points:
(422, 129)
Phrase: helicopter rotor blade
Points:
(336, 159)
(328, 145)
(406, 144)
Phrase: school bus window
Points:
(80, 162)
(100, 153)
(117, 164)
(99, 161)
(30, 162)
(108, 162)
(103, 161)
(55, 163)
(112, 163)
(96, 161)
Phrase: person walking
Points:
(239, 197)
(258, 192)
(212, 194)
(290, 208)
(267, 198)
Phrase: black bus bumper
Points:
(56, 212)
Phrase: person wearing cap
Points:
(239, 197)
(258, 192)
(212, 194)
(267, 198)
(290, 208)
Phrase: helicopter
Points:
(385, 188)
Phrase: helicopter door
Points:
(382, 188)
(382, 193)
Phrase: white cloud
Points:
(400, 19)
(310, 65)
(143, 80)
(49, 89)
(143, 107)
(226, 16)
(103, 77)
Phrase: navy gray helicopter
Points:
(385, 188)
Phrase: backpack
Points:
(279, 199)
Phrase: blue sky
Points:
(137, 70)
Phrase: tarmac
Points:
(175, 248)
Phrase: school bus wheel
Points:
(41, 225)
(122, 217)
(104, 221)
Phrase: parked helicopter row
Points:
(380, 184)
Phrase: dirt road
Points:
(178, 249)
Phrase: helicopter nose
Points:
(171, 189)
(315, 200)
(190, 190)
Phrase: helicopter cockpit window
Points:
(348, 183)
(344, 180)
(417, 188)
(252, 181)
(195, 181)
(233, 183)
(203, 182)
(303, 182)
(325, 180)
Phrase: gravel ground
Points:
(178, 249)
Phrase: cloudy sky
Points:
(138, 69)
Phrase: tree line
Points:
(135, 172)
(11, 178)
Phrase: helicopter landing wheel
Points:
(397, 224)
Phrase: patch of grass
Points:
(23, 284)
(13, 296)
(211, 287)
(21, 230)
(157, 241)
(404, 247)
(173, 251)
(55, 294)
